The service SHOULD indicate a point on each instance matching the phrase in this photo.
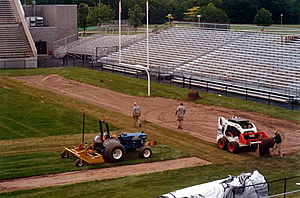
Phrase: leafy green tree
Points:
(160, 8)
(98, 15)
(201, 3)
(212, 14)
(136, 15)
(263, 17)
(82, 14)
(241, 11)
(238, 11)
(288, 8)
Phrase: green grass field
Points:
(34, 131)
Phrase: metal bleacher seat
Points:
(14, 43)
(257, 59)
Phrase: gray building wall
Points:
(60, 21)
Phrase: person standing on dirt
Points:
(180, 111)
(136, 114)
(277, 146)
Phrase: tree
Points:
(212, 14)
(160, 8)
(201, 3)
(97, 16)
(82, 15)
(136, 15)
(263, 17)
(241, 11)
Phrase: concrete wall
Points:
(18, 63)
(60, 21)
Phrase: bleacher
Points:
(259, 61)
(106, 44)
(174, 47)
(255, 60)
(14, 42)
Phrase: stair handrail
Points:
(21, 19)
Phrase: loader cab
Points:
(244, 123)
(232, 131)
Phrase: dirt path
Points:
(200, 120)
(97, 174)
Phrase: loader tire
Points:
(265, 145)
(222, 143)
(252, 148)
(145, 152)
(64, 154)
(233, 147)
(114, 152)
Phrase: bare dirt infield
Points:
(200, 120)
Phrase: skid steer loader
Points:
(238, 134)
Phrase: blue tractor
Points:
(106, 147)
(136, 141)
(113, 147)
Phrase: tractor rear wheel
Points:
(233, 147)
(222, 143)
(145, 152)
(114, 152)
(79, 163)
(64, 154)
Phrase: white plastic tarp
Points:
(244, 185)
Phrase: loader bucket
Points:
(265, 145)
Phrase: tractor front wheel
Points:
(222, 143)
(79, 163)
(233, 147)
(64, 154)
(114, 152)
(145, 152)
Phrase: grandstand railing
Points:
(286, 100)
(271, 94)
(240, 27)
(283, 187)
(289, 96)
(64, 41)
(286, 187)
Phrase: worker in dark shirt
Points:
(277, 143)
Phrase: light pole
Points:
(199, 19)
(281, 15)
(99, 16)
(169, 16)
